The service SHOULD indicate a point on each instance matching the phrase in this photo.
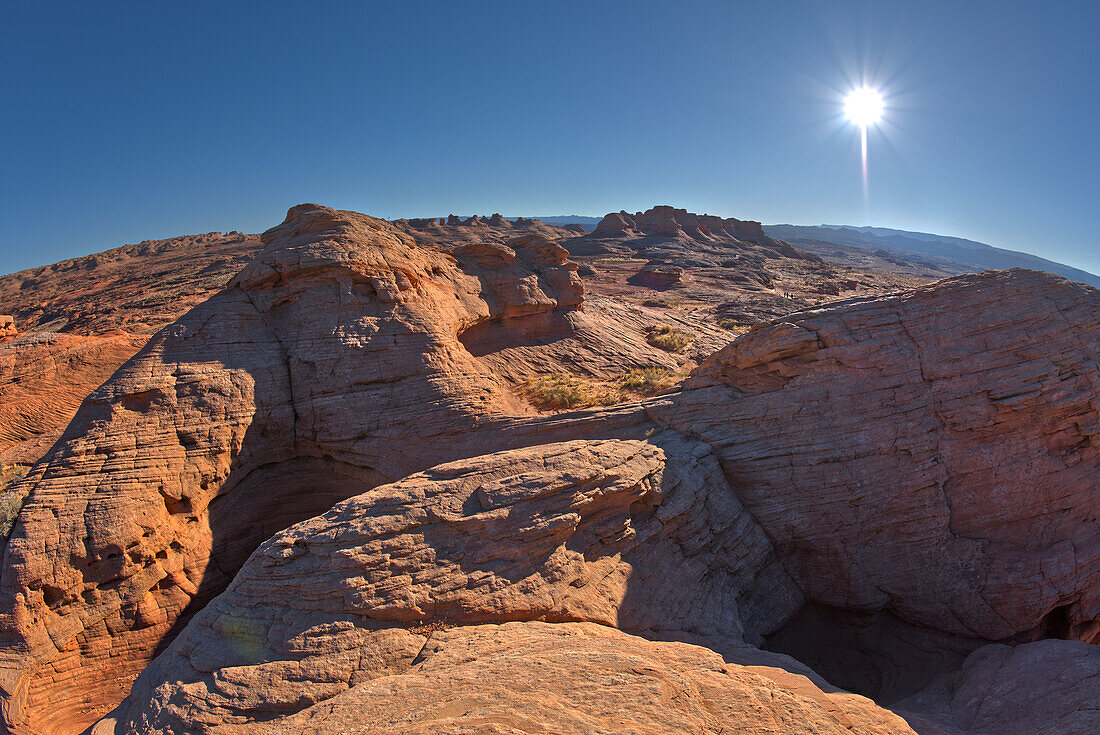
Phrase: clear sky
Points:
(124, 121)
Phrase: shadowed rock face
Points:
(933, 457)
(329, 365)
(630, 534)
(566, 678)
(1043, 688)
(926, 460)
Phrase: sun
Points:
(863, 106)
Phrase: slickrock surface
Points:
(923, 467)
(43, 379)
(137, 288)
(934, 456)
(1048, 687)
(331, 364)
(637, 535)
(539, 678)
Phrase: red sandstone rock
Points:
(933, 455)
(930, 458)
(44, 378)
(558, 679)
(137, 288)
(332, 362)
(642, 536)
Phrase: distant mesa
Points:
(671, 222)
(675, 235)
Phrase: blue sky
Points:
(128, 121)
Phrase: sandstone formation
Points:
(662, 231)
(334, 347)
(137, 288)
(723, 270)
(452, 231)
(7, 328)
(931, 457)
(43, 379)
(1048, 687)
(913, 475)
(636, 535)
(576, 678)
(658, 277)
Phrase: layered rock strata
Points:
(558, 679)
(932, 457)
(44, 378)
(641, 536)
(680, 237)
(927, 461)
(329, 365)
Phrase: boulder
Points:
(329, 365)
(558, 679)
(1047, 687)
(932, 456)
(643, 536)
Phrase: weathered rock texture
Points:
(1048, 687)
(331, 364)
(137, 288)
(933, 456)
(577, 678)
(43, 379)
(926, 461)
(7, 327)
(662, 233)
(719, 270)
(454, 231)
(636, 535)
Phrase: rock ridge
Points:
(924, 463)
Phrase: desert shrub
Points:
(557, 391)
(561, 390)
(732, 325)
(669, 339)
(646, 381)
(659, 303)
(11, 497)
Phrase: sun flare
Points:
(863, 106)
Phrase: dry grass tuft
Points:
(562, 390)
(11, 499)
(731, 325)
(646, 381)
(669, 339)
(558, 391)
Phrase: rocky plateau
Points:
(310, 481)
